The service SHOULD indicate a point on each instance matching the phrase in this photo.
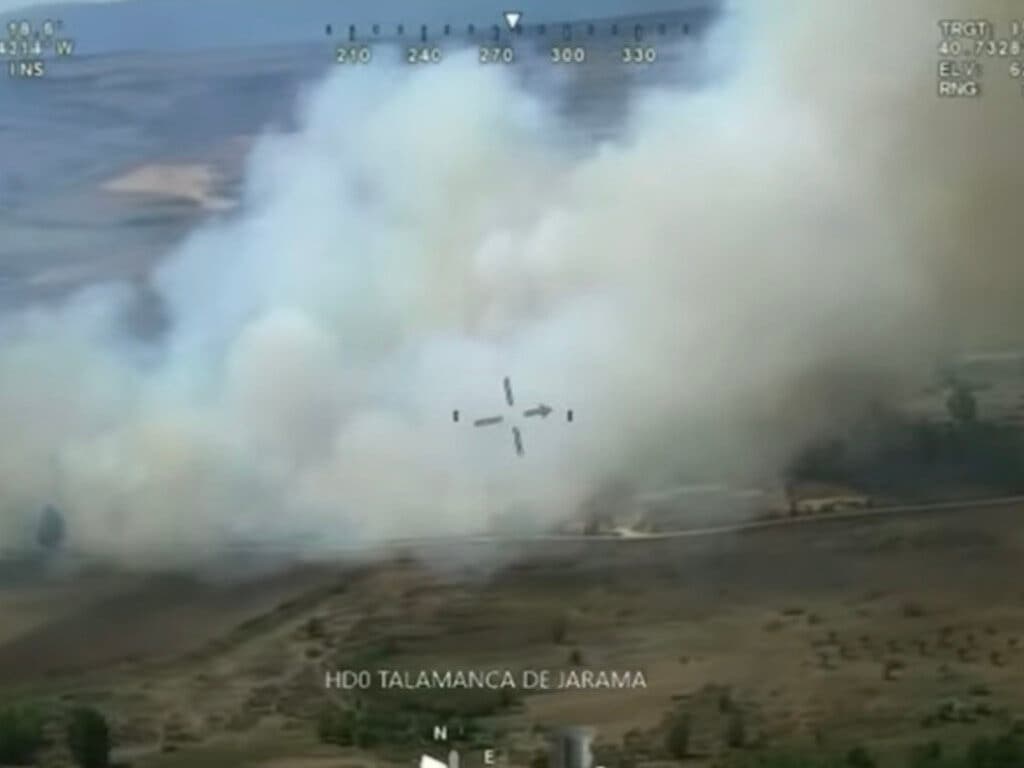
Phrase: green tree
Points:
(926, 755)
(962, 405)
(677, 739)
(50, 533)
(21, 735)
(337, 726)
(1004, 752)
(89, 738)
(736, 730)
(859, 757)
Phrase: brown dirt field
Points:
(851, 629)
(94, 622)
(196, 183)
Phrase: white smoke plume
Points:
(746, 265)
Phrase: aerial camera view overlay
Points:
(593, 384)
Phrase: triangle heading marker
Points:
(513, 18)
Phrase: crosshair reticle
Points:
(541, 411)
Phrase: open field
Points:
(875, 630)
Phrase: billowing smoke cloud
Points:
(747, 265)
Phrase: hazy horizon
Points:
(102, 26)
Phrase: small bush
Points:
(736, 731)
(925, 755)
(912, 610)
(677, 739)
(859, 757)
(315, 628)
(507, 698)
(725, 702)
(1003, 752)
(893, 668)
(363, 727)
(21, 736)
(51, 530)
(559, 630)
(89, 738)
(336, 726)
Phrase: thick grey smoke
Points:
(746, 266)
